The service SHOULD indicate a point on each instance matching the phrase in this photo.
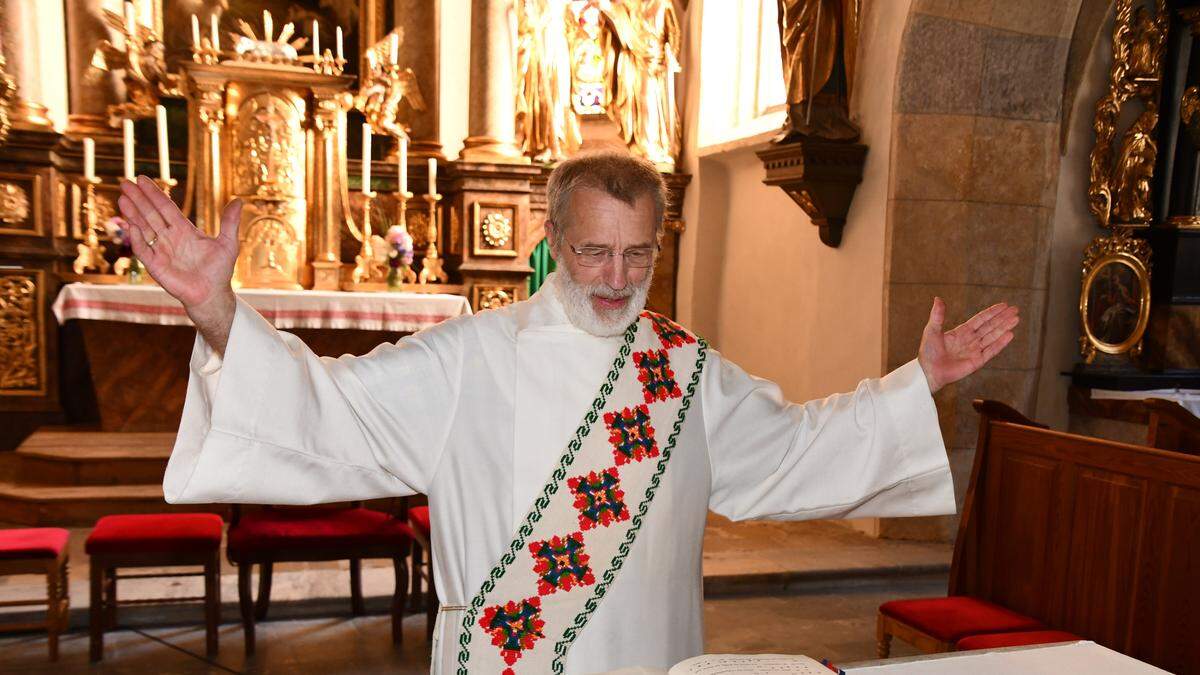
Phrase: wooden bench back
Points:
(1172, 427)
(1090, 536)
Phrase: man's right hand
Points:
(193, 267)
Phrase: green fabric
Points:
(542, 265)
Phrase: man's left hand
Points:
(949, 357)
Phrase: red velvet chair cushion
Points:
(156, 533)
(419, 517)
(997, 640)
(34, 542)
(316, 528)
(957, 616)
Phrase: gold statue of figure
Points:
(809, 32)
(385, 85)
(547, 124)
(642, 45)
(144, 62)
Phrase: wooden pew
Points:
(1094, 537)
(1172, 427)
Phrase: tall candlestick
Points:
(339, 43)
(316, 40)
(127, 133)
(394, 49)
(366, 159)
(403, 160)
(433, 175)
(268, 26)
(195, 32)
(89, 159)
(164, 151)
(216, 34)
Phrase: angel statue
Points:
(386, 85)
(143, 59)
(811, 33)
(546, 121)
(642, 41)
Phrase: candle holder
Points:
(206, 53)
(166, 184)
(431, 264)
(367, 268)
(91, 251)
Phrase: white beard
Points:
(576, 300)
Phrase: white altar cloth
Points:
(399, 312)
(1055, 659)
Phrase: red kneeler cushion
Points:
(419, 516)
(316, 528)
(34, 542)
(997, 640)
(955, 617)
(156, 533)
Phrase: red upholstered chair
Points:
(998, 640)
(936, 624)
(153, 540)
(301, 534)
(422, 564)
(39, 550)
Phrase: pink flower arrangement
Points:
(118, 232)
(402, 246)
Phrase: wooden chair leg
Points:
(399, 598)
(883, 638)
(414, 584)
(212, 604)
(53, 606)
(356, 596)
(264, 590)
(96, 614)
(246, 604)
(110, 598)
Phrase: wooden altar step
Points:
(61, 477)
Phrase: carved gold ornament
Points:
(1119, 190)
(1114, 305)
(8, 95)
(20, 331)
(494, 297)
(14, 204)
(496, 230)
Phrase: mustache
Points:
(604, 291)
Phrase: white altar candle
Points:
(127, 134)
(394, 49)
(195, 32)
(164, 152)
(403, 160)
(366, 158)
(316, 40)
(268, 26)
(130, 21)
(433, 175)
(339, 43)
(216, 34)
(89, 159)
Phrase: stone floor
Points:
(771, 587)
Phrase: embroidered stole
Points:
(576, 537)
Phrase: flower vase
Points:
(135, 270)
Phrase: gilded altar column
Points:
(491, 121)
(326, 241)
(93, 90)
(22, 51)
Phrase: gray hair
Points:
(619, 175)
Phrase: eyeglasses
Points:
(596, 256)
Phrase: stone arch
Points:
(981, 91)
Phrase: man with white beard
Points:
(570, 445)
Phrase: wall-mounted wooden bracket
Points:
(820, 176)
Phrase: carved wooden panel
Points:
(484, 296)
(21, 204)
(1165, 621)
(493, 230)
(22, 333)
(1021, 530)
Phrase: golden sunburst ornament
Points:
(269, 48)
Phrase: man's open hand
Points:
(947, 357)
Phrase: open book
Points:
(748, 664)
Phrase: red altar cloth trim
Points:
(401, 312)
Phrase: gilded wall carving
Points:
(14, 204)
(21, 368)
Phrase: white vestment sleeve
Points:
(875, 452)
(272, 423)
